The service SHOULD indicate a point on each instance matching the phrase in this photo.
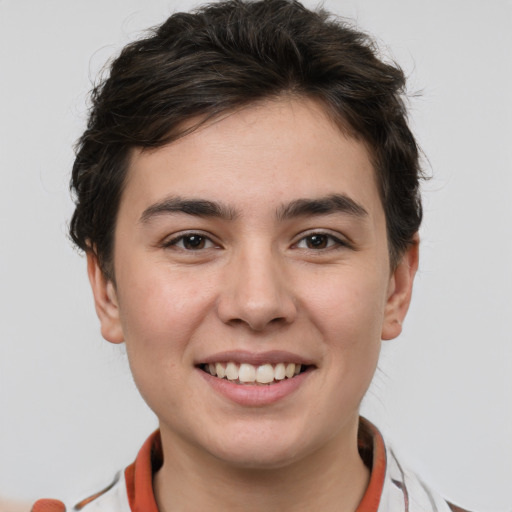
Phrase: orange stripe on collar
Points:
(370, 439)
(139, 475)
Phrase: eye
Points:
(318, 241)
(191, 242)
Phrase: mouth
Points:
(253, 379)
(265, 374)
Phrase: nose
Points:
(256, 292)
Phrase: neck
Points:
(332, 478)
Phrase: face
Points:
(254, 247)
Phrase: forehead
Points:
(273, 151)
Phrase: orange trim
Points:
(48, 506)
(371, 498)
(139, 475)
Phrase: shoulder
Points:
(113, 498)
(404, 486)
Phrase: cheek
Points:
(348, 308)
(160, 313)
(160, 317)
(348, 311)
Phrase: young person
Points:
(247, 195)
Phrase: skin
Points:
(256, 282)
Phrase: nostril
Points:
(257, 323)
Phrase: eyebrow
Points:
(197, 207)
(334, 203)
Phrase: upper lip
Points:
(255, 358)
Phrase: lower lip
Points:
(252, 395)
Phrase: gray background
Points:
(69, 413)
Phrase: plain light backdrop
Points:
(70, 416)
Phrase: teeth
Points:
(220, 370)
(265, 374)
(248, 373)
(279, 372)
(232, 371)
(289, 370)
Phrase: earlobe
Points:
(105, 301)
(400, 291)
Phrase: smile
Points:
(245, 373)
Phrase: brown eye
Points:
(191, 242)
(317, 241)
(194, 242)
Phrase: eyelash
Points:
(332, 241)
(180, 239)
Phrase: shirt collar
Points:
(139, 475)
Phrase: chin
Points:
(260, 450)
(260, 458)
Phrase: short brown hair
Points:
(222, 57)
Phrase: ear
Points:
(105, 301)
(400, 291)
